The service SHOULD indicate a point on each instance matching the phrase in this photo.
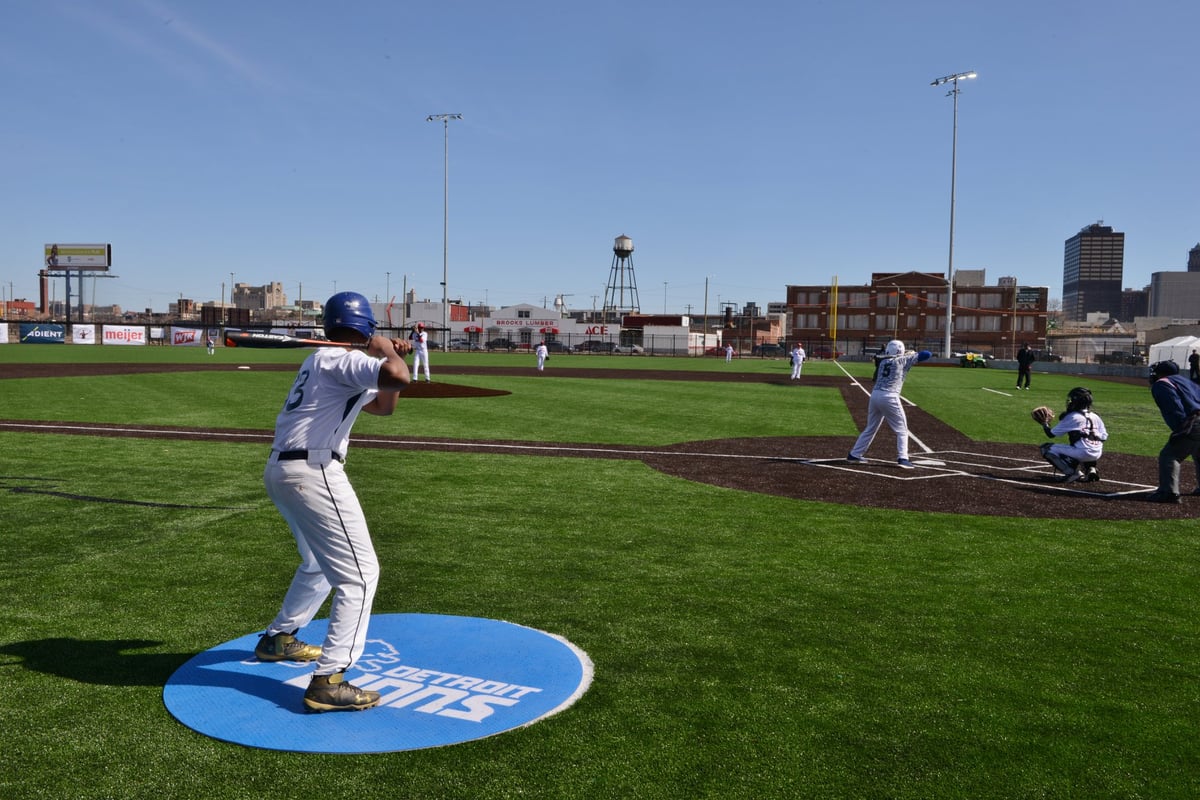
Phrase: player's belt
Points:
(302, 455)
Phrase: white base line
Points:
(996, 391)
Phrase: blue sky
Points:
(743, 146)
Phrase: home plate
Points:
(928, 462)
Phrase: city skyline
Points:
(742, 149)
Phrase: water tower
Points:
(621, 294)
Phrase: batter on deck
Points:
(306, 480)
(890, 371)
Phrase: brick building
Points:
(911, 306)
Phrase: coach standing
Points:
(1025, 359)
(1178, 400)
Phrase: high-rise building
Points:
(1093, 268)
(1194, 259)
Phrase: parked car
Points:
(1119, 357)
(501, 344)
(718, 351)
(629, 348)
(597, 346)
(559, 347)
(1046, 355)
(464, 344)
(768, 350)
(826, 352)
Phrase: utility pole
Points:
(445, 120)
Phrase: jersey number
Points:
(296, 396)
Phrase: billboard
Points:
(78, 256)
(123, 334)
(43, 333)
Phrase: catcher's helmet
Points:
(1161, 369)
(349, 310)
(1079, 399)
(894, 348)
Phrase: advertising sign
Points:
(123, 334)
(83, 334)
(187, 337)
(43, 333)
(1027, 297)
(78, 256)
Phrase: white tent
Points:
(1177, 350)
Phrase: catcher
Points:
(1085, 432)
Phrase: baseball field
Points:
(765, 621)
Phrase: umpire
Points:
(1178, 400)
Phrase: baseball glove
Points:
(1042, 415)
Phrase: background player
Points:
(306, 480)
(542, 353)
(420, 346)
(798, 356)
(890, 371)
(1085, 433)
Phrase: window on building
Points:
(858, 299)
(991, 300)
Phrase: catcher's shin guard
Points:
(1063, 464)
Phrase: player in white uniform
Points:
(420, 341)
(542, 352)
(890, 371)
(1085, 434)
(306, 480)
(798, 356)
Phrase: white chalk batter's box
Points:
(941, 464)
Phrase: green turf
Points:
(745, 646)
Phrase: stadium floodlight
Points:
(953, 80)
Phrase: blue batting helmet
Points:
(349, 310)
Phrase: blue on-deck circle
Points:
(443, 680)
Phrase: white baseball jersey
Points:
(1089, 444)
(331, 387)
(889, 377)
(420, 341)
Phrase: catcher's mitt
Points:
(1042, 415)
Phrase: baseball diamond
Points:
(954, 473)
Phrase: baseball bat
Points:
(278, 340)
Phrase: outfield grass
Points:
(745, 646)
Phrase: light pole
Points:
(445, 120)
(953, 81)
